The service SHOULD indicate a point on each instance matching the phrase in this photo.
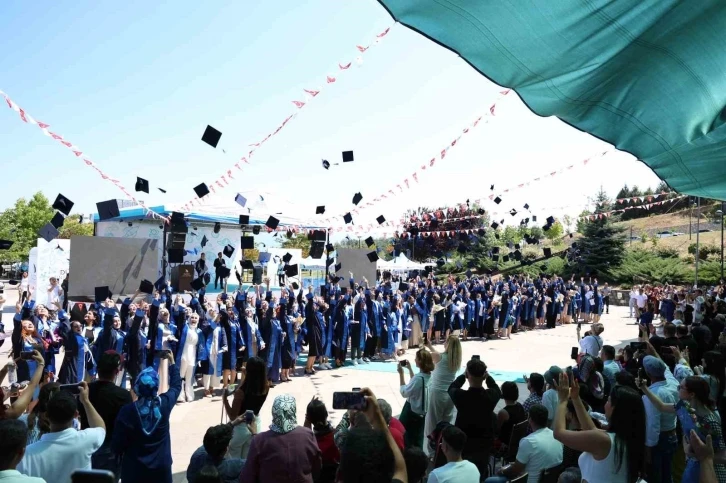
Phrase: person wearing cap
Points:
(549, 398)
(592, 343)
(661, 438)
(375, 323)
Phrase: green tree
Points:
(554, 234)
(296, 241)
(582, 222)
(21, 224)
(602, 244)
(72, 228)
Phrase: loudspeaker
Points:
(175, 255)
(181, 277)
(255, 268)
(175, 240)
(316, 249)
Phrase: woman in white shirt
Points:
(440, 407)
(413, 414)
(615, 456)
(24, 288)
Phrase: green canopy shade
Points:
(647, 76)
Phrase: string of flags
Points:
(27, 118)
(212, 136)
(414, 178)
(599, 216)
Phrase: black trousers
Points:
(606, 302)
(371, 345)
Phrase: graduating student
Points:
(376, 321)
(215, 346)
(315, 330)
(190, 349)
(134, 344)
(73, 367)
(235, 344)
(291, 327)
(359, 331)
(341, 318)
(25, 338)
(274, 353)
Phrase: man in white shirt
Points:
(456, 470)
(591, 344)
(55, 292)
(537, 452)
(12, 448)
(640, 300)
(64, 450)
(549, 398)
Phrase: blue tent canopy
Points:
(648, 76)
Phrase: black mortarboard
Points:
(204, 240)
(372, 257)
(468, 273)
(319, 235)
(57, 220)
(440, 262)
(495, 225)
(244, 219)
(550, 220)
(107, 209)
(326, 164)
(526, 206)
(272, 222)
(356, 198)
(162, 190)
(463, 236)
(534, 218)
(287, 257)
(62, 204)
(176, 255)
(505, 258)
(101, 294)
(295, 286)
(247, 242)
(5, 244)
(201, 190)
(338, 266)
(160, 283)
(547, 227)
(228, 251)
(547, 252)
(48, 232)
(369, 242)
(517, 255)
(142, 185)
(256, 230)
(513, 212)
(481, 211)
(348, 218)
(320, 210)
(462, 248)
(197, 284)
(146, 287)
(501, 221)
(497, 200)
(217, 227)
(347, 156)
(381, 220)
(570, 235)
(402, 286)
(291, 270)
(211, 136)
(481, 232)
(495, 250)
(491, 187)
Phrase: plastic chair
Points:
(519, 431)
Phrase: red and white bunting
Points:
(599, 216)
(27, 118)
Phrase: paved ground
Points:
(507, 360)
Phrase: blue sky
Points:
(135, 83)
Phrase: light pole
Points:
(720, 214)
(698, 233)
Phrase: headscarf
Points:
(284, 414)
(148, 402)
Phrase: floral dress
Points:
(703, 425)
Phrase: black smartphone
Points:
(403, 362)
(638, 346)
(161, 353)
(641, 373)
(475, 358)
(356, 389)
(26, 355)
(92, 476)
(349, 400)
(249, 416)
(74, 389)
(574, 352)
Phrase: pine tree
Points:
(601, 248)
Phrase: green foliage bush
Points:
(646, 265)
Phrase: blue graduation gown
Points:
(274, 354)
(221, 344)
(201, 344)
(73, 367)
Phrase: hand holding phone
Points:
(26, 355)
(249, 416)
(74, 389)
(349, 400)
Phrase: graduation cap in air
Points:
(338, 267)
(570, 236)
(330, 247)
(348, 218)
(495, 225)
(481, 211)
(287, 257)
(462, 248)
(497, 200)
(434, 224)
(197, 284)
(534, 218)
(211, 136)
(62, 204)
(495, 250)
(201, 190)
(491, 187)
(57, 220)
(481, 232)
(372, 257)
(513, 212)
(526, 206)
(204, 241)
(381, 220)
(547, 227)
(142, 185)
(146, 287)
(463, 236)
(291, 270)
(356, 198)
(217, 227)
(505, 258)
(101, 293)
(440, 262)
(547, 252)
(5, 244)
(326, 164)
(256, 230)
(517, 255)
(162, 190)
(320, 210)
(48, 232)
(468, 273)
(369, 242)
(295, 286)
(240, 200)
(244, 219)
(246, 242)
(228, 251)
(272, 222)
(347, 156)
(550, 220)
